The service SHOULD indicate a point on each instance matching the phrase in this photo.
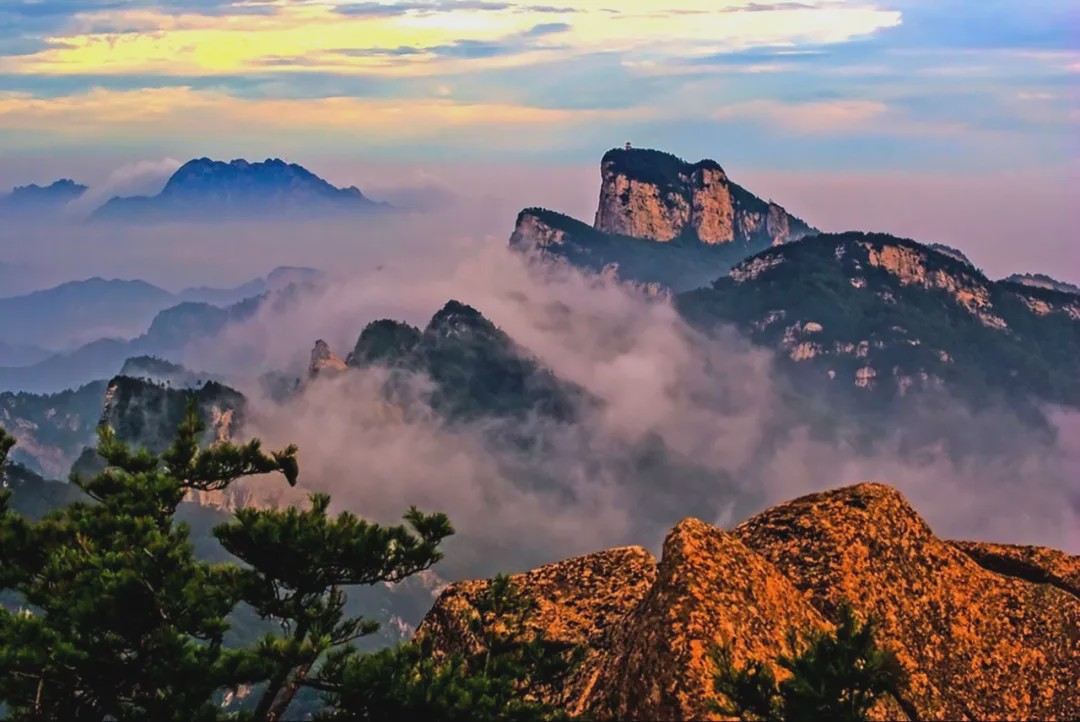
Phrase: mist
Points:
(686, 425)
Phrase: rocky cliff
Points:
(655, 195)
(977, 639)
(882, 314)
(661, 222)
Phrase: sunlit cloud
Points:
(836, 116)
(184, 112)
(430, 37)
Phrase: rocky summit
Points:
(981, 631)
(661, 222)
(658, 196)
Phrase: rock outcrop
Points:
(894, 319)
(661, 223)
(1040, 280)
(978, 634)
(580, 602)
(657, 196)
(324, 361)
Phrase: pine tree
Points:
(300, 564)
(836, 675)
(121, 621)
(506, 679)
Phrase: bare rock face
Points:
(656, 196)
(1034, 564)
(324, 361)
(983, 631)
(579, 602)
(534, 232)
(710, 590)
(975, 644)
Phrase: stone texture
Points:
(579, 601)
(324, 361)
(983, 631)
(656, 196)
(710, 590)
(1034, 564)
(975, 644)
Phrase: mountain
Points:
(476, 368)
(20, 355)
(1040, 280)
(277, 280)
(52, 429)
(208, 190)
(32, 200)
(981, 631)
(82, 311)
(661, 222)
(169, 331)
(869, 319)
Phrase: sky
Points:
(886, 96)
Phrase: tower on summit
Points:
(628, 145)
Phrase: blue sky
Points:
(926, 85)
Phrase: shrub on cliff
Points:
(836, 676)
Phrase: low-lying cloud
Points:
(687, 425)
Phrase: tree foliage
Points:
(511, 675)
(117, 618)
(837, 676)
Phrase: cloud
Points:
(836, 117)
(167, 42)
(152, 113)
(146, 177)
(707, 405)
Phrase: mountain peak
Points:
(35, 198)
(654, 166)
(456, 316)
(660, 197)
(1041, 280)
(969, 631)
(204, 188)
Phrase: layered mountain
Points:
(52, 429)
(79, 312)
(976, 637)
(1041, 280)
(30, 201)
(871, 318)
(661, 222)
(205, 189)
(169, 332)
(475, 368)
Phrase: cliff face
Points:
(977, 640)
(661, 223)
(654, 195)
(890, 318)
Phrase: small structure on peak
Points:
(628, 146)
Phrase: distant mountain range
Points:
(79, 312)
(32, 200)
(206, 189)
(163, 332)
